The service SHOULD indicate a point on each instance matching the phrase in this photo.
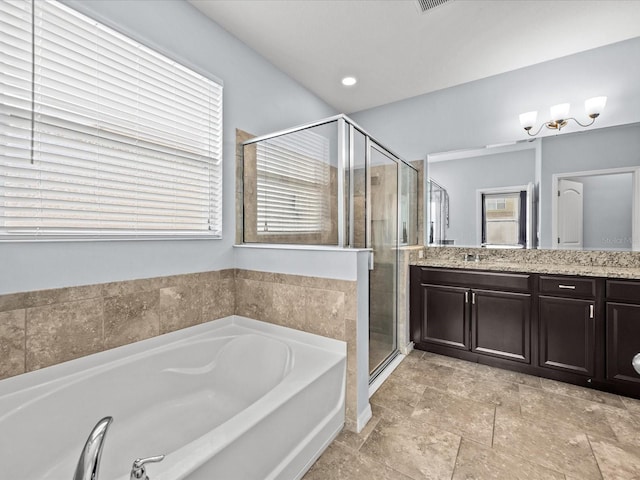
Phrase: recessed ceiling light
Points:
(349, 81)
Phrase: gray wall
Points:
(462, 177)
(485, 112)
(258, 98)
(607, 211)
(589, 150)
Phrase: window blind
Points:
(100, 135)
(293, 183)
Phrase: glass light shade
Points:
(560, 111)
(595, 105)
(528, 119)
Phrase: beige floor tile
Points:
(342, 463)
(577, 391)
(632, 404)
(419, 451)
(414, 370)
(617, 461)
(485, 390)
(506, 375)
(477, 462)
(560, 447)
(399, 396)
(355, 440)
(435, 359)
(461, 416)
(625, 425)
(588, 416)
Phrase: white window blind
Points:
(100, 135)
(293, 183)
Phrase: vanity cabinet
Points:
(567, 307)
(474, 313)
(623, 331)
(581, 330)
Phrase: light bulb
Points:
(349, 81)
(528, 119)
(594, 106)
(560, 112)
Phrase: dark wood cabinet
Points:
(623, 332)
(567, 334)
(501, 324)
(445, 321)
(474, 313)
(581, 330)
(623, 341)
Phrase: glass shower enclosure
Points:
(331, 183)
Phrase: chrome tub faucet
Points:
(87, 468)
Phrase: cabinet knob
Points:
(636, 363)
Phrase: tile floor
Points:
(441, 418)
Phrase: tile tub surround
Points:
(566, 262)
(438, 417)
(322, 306)
(47, 327)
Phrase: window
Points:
(504, 218)
(293, 183)
(99, 135)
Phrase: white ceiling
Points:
(397, 52)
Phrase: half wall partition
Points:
(330, 183)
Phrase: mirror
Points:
(604, 164)
(463, 184)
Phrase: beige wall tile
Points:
(12, 301)
(254, 299)
(289, 305)
(218, 296)
(64, 331)
(12, 343)
(180, 307)
(131, 318)
(325, 313)
(59, 295)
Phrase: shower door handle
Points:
(371, 264)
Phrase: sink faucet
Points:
(89, 461)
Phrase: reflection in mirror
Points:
(457, 181)
(594, 172)
(504, 219)
(594, 210)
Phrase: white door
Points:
(570, 201)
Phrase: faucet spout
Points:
(89, 461)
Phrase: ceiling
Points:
(398, 52)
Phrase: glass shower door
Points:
(383, 239)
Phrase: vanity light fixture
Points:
(349, 81)
(560, 115)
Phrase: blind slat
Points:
(121, 139)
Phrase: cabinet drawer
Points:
(623, 290)
(477, 279)
(568, 286)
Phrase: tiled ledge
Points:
(563, 262)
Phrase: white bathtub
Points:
(233, 399)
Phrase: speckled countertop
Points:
(556, 269)
(557, 262)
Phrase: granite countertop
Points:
(527, 267)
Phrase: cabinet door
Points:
(623, 341)
(500, 324)
(567, 335)
(445, 319)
